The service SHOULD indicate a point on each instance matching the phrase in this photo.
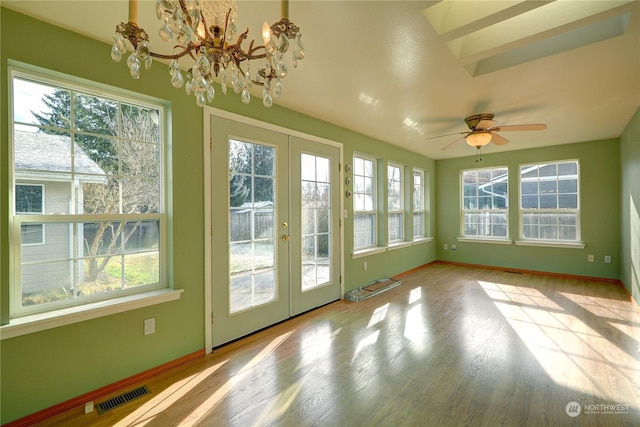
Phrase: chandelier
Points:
(205, 30)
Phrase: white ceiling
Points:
(401, 71)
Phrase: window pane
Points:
(46, 282)
(240, 157)
(529, 187)
(32, 234)
(418, 224)
(41, 104)
(241, 191)
(264, 158)
(140, 124)
(140, 159)
(42, 152)
(95, 115)
(307, 167)
(264, 223)
(29, 199)
(568, 201)
(264, 190)
(140, 195)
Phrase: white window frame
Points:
(42, 211)
(395, 212)
(420, 208)
(523, 211)
(503, 211)
(374, 209)
(44, 316)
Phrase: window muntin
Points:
(364, 203)
(395, 202)
(550, 201)
(30, 201)
(485, 203)
(102, 160)
(419, 211)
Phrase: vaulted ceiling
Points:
(404, 71)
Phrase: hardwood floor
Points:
(451, 346)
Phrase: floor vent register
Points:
(121, 399)
(372, 289)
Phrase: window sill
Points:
(53, 319)
(422, 240)
(480, 240)
(551, 244)
(398, 245)
(368, 251)
(391, 247)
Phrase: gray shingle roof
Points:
(40, 152)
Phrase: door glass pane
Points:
(316, 211)
(252, 224)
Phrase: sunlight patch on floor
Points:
(167, 397)
(201, 412)
(553, 335)
(316, 345)
(278, 405)
(378, 315)
(415, 327)
(367, 341)
(415, 295)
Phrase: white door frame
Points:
(207, 144)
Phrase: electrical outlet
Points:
(446, 247)
(607, 259)
(364, 265)
(150, 326)
(590, 258)
(88, 407)
(454, 247)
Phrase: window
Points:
(419, 211)
(101, 158)
(30, 200)
(550, 202)
(364, 203)
(395, 202)
(485, 203)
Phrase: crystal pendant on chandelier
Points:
(206, 31)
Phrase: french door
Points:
(275, 227)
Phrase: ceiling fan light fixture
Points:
(478, 139)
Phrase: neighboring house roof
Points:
(39, 154)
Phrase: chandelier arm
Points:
(187, 51)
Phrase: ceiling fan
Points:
(483, 130)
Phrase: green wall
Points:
(45, 368)
(600, 212)
(630, 211)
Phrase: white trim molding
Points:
(53, 319)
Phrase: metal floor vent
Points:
(120, 400)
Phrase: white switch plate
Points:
(150, 326)
(590, 258)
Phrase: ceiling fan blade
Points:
(441, 136)
(446, 147)
(498, 140)
(485, 124)
(509, 128)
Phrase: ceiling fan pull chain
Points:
(478, 155)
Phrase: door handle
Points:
(285, 237)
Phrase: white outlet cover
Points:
(150, 326)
